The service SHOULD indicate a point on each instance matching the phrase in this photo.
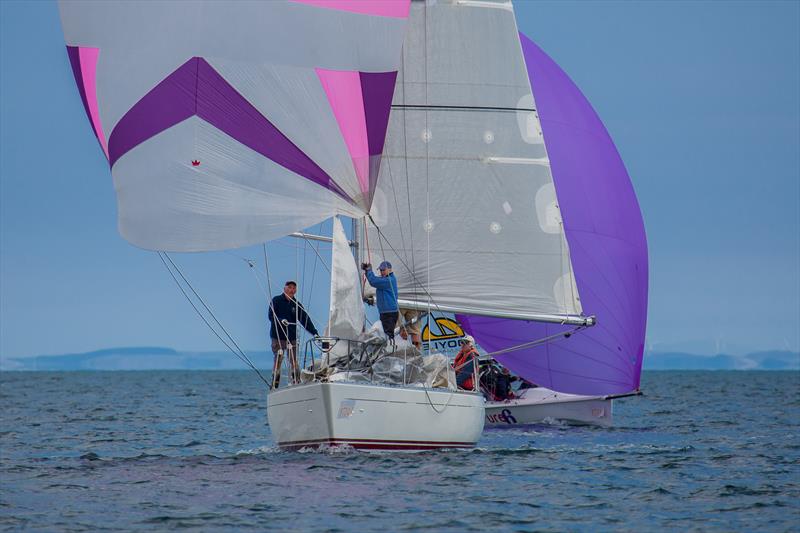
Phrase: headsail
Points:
(227, 127)
(465, 197)
(347, 316)
(608, 247)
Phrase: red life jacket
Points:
(462, 359)
(462, 365)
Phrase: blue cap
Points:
(385, 265)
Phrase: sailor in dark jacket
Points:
(284, 314)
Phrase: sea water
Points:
(710, 451)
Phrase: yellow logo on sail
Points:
(448, 329)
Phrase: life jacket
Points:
(463, 357)
(464, 370)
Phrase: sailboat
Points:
(232, 125)
(581, 375)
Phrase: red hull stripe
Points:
(375, 444)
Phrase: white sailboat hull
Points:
(539, 405)
(369, 416)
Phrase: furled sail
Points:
(228, 126)
(608, 248)
(347, 316)
(465, 200)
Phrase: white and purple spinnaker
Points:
(233, 124)
(608, 251)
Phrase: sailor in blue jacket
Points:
(386, 295)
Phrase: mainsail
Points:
(228, 125)
(608, 248)
(465, 200)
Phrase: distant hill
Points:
(769, 360)
(136, 358)
(160, 358)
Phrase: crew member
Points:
(284, 314)
(464, 364)
(385, 295)
(409, 326)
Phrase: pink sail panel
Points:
(361, 102)
(83, 60)
(608, 249)
(382, 8)
(344, 94)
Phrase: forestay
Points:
(227, 126)
(608, 247)
(465, 198)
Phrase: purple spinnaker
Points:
(608, 249)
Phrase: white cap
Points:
(469, 339)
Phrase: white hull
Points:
(368, 416)
(543, 405)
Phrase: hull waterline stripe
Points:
(377, 444)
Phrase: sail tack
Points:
(465, 200)
(608, 249)
(227, 127)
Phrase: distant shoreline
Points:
(152, 358)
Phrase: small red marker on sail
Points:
(195, 163)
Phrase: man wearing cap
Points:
(385, 295)
(284, 314)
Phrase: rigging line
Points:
(427, 178)
(243, 357)
(275, 321)
(405, 149)
(268, 298)
(570, 273)
(210, 312)
(278, 323)
(320, 257)
(461, 107)
(396, 205)
(533, 343)
(413, 275)
(303, 277)
(301, 335)
(446, 404)
(237, 256)
(314, 268)
(283, 328)
(368, 259)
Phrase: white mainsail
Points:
(465, 199)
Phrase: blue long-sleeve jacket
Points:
(385, 291)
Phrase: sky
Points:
(701, 98)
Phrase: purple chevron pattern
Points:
(195, 88)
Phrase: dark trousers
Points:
(389, 322)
